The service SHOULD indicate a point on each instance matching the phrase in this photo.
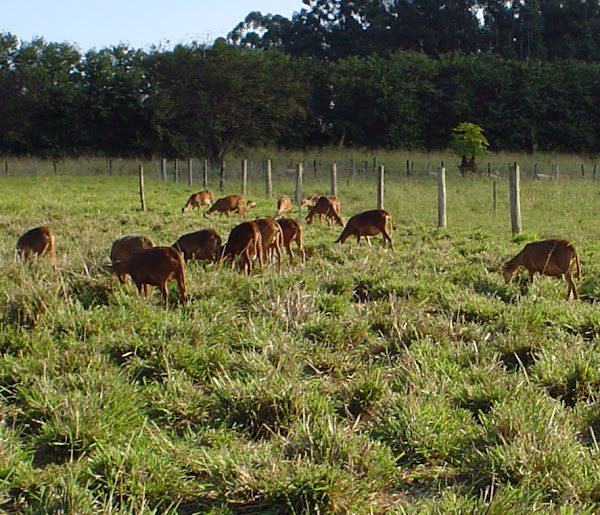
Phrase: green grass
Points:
(365, 381)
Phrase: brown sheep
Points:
(310, 201)
(204, 244)
(125, 247)
(368, 223)
(271, 235)
(227, 204)
(155, 266)
(201, 198)
(328, 206)
(553, 257)
(39, 241)
(284, 205)
(245, 241)
(292, 231)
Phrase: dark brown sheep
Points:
(125, 247)
(292, 231)
(38, 241)
(156, 266)
(328, 206)
(271, 235)
(201, 198)
(367, 224)
(284, 205)
(553, 257)
(203, 244)
(244, 240)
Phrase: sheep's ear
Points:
(109, 266)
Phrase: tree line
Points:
(205, 100)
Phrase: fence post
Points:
(299, 189)
(555, 172)
(6, 166)
(442, 197)
(594, 170)
(222, 176)
(515, 202)
(268, 179)
(141, 177)
(176, 171)
(333, 180)
(494, 196)
(190, 172)
(380, 186)
(315, 171)
(163, 169)
(244, 176)
(205, 175)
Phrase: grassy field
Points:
(364, 381)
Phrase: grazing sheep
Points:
(310, 201)
(553, 257)
(245, 241)
(230, 203)
(271, 235)
(201, 198)
(292, 231)
(284, 205)
(368, 223)
(328, 206)
(125, 247)
(204, 244)
(39, 241)
(156, 266)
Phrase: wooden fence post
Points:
(515, 202)
(494, 195)
(299, 190)
(190, 171)
(595, 170)
(380, 186)
(268, 179)
(442, 197)
(205, 175)
(176, 171)
(163, 169)
(222, 176)
(315, 170)
(333, 180)
(6, 166)
(141, 177)
(244, 176)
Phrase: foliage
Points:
(468, 140)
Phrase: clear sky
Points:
(139, 24)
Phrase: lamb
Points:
(310, 201)
(553, 257)
(271, 235)
(39, 241)
(245, 241)
(328, 206)
(368, 223)
(292, 231)
(284, 205)
(155, 266)
(201, 198)
(204, 244)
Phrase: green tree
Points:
(468, 142)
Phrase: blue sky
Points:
(104, 23)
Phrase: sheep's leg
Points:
(531, 273)
(572, 287)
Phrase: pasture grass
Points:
(364, 381)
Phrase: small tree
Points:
(468, 142)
